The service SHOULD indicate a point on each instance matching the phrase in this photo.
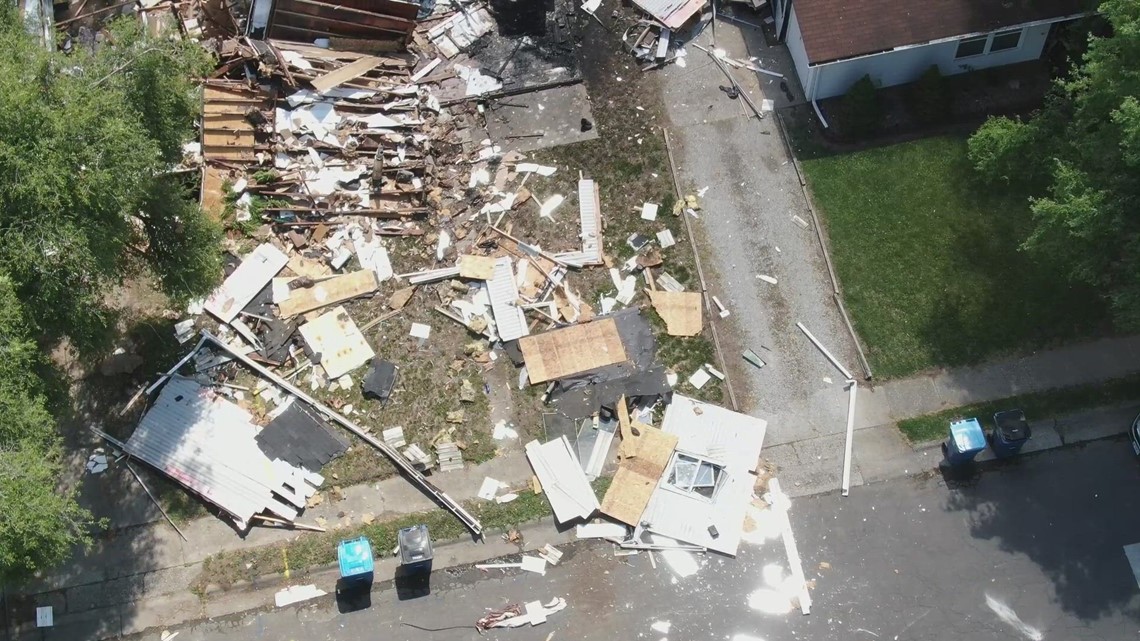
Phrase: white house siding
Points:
(906, 65)
(795, 42)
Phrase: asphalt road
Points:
(1030, 550)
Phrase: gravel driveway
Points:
(746, 229)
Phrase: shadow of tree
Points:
(1070, 521)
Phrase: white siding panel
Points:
(906, 65)
(795, 42)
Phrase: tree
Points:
(85, 141)
(87, 200)
(40, 521)
(1078, 162)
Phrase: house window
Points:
(1005, 40)
(971, 47)
(694, 475)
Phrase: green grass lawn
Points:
(1048, 404)
(929, 264)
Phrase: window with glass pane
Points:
(694, 475)
(1006, 40)
(971, 47)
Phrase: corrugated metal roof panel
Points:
(207, 443)
(504, 294)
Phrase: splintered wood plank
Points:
(637, 475)
(338, 341)
(330, 292)
(343, 74)
(572, 350)
(213, 194)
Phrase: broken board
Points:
(563, 480)
(341, 346)
(250, 277)
(572, 350)
(343, 74)
(638, 475)
(476, 267)
(681, 311)
(329, 292)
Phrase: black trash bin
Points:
(1011, 431)
(413, 577)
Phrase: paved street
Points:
(1031, 550)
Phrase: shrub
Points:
(862, 113)
(930, 98)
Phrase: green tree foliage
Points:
(87, 200)
(40, 522)
(1078, 161)
(84, 142)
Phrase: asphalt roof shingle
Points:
(836, 29)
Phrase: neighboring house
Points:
(834, 43)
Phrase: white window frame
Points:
(718, 484)
(987, 48)
(985, 40)
(1020, 38)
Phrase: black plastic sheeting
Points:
(299, 438)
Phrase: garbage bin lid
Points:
(415, 544)
(355, 557)
(967, 435)
(1012, 426)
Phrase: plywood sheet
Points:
(572, 350)
(681, 311)
(330, 292)
(477, 267)
(338, 341)
(637, 476)
(213, 192)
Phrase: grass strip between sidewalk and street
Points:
(1038, 405)
(318, 549)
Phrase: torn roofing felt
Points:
(300, 438)
(640, 376)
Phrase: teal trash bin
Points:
(966, 440)
(356, 564)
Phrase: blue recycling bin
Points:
(356, 564)
(966, 440)
(1011, 431)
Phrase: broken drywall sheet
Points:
(250, 277)
(336, 343)
(681, 311)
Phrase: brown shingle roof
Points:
(835, 29)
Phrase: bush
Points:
(930, 98)
(862, 113)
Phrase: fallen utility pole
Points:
(394, 455)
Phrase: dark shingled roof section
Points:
(836, 29)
